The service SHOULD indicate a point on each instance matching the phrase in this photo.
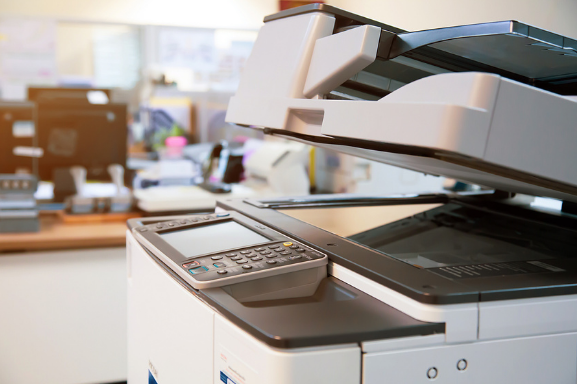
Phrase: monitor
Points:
(77, 134)
(212, 238)
(64, 94)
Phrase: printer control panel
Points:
(225, 248)
(250, 259)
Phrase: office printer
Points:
(447, 288)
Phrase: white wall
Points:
(63, 316)
(559, 16)
(555, 15)
(241, 14)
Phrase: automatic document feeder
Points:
(447, 288)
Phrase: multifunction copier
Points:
(471, 287)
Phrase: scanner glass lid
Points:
(450, 238)
(212, 238)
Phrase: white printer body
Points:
(471, 289)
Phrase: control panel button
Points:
(242, 262)
(266, 253)
(219, 265)
(191, 265)
(236, 258)
(197, 270)
(293, 246)
(247, 267)
(183, 221)
(274, 246)
(297, 257)
(206, 218)
(222, 272)
(257, 258)
(270, 256)
(194, 220)
(271, 262)
(171, 224)
(142, 229)
(230, 254)
(260, 249)
(224, 214)
(279, 250)
(300, 250)
(216, 257)
(287, 244)
(285, 253)
(245, 252)
(159, 226)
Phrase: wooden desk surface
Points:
(58, 233)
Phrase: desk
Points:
(57, 233)
(64, 303)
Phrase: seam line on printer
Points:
(492, 116)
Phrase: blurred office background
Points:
(175, 64)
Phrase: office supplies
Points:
(18, 211)
(122, 200)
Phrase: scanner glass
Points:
(445, 236)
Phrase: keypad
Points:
(250, 259)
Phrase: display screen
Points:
(212, 238)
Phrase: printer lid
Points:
(510, 48)
(488, 104)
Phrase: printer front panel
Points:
(242, 359)
(170, 331)
(530, 360)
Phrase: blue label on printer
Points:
(225, 379)
(151, 379)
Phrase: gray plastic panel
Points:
(336, 314)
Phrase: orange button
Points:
(287, 244)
